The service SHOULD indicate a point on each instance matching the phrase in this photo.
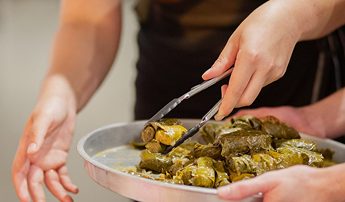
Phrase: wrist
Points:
(58, 87)
(314, 120)
(333, 181)
(287, 17)
(312, 17)
(304, 16)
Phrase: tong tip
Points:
(190, 133)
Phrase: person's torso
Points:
(194, 14)
(180, 39)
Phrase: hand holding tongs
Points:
(173, 103)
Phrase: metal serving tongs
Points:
(173, 103)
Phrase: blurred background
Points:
(27, 28)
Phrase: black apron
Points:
(179, 41)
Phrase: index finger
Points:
(21, 184)
(224, 61)
(39, 128)
(35, 182)
(20, 169)
(246, 188)
(238, 82)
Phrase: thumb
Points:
(247, 188)
(225, 60)
(223, 89)
(253, 112)
(39, 128)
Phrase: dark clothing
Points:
(186, 14)
(178, 42)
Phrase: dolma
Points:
(243, 176)
(154, 161)
(205, 174)
(154, 146)
(243, 142)
(201, 173)
(326, 153)
(222, 177)
(208, 132)
(299, 143)
(166, 132)
(277, 129)
(246, 122)
(240, 149)
(209, 150)
(178, 164)
(242, 164)
(286, 159)
(310, 158)
(260, 163)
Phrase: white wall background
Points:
(26, 31)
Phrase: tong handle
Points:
(165, 110)
(196, 89)
(200, 87)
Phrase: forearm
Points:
(313, 19)
(83, 52)
(328, 114)
(317, 18)
(332, 180)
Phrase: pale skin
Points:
(261, 46)
(84, 49)
(325, 119)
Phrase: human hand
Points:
(297, 183)
(260, 50)
(42, 152)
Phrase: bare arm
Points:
(85, 45)
(318, 18)
(323, 184)
(84, 49)
(328, 115)
(261, 47)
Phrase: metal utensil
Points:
(173, 103)
(195, 129)
(194, 90)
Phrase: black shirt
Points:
(179, 41)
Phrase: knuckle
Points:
(51, 175)
(278, 72)
(268, 66)
(236, 92)
(35, 115)
(241, 190)
(222, 60)
(63, 170)
(246, 101)
(22, 199)
(31, 177)
(253, 56)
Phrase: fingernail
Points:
(207, 71)
(67, 199)
(32, 148)
(225, 190)
(219, 117)
(220, 189)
